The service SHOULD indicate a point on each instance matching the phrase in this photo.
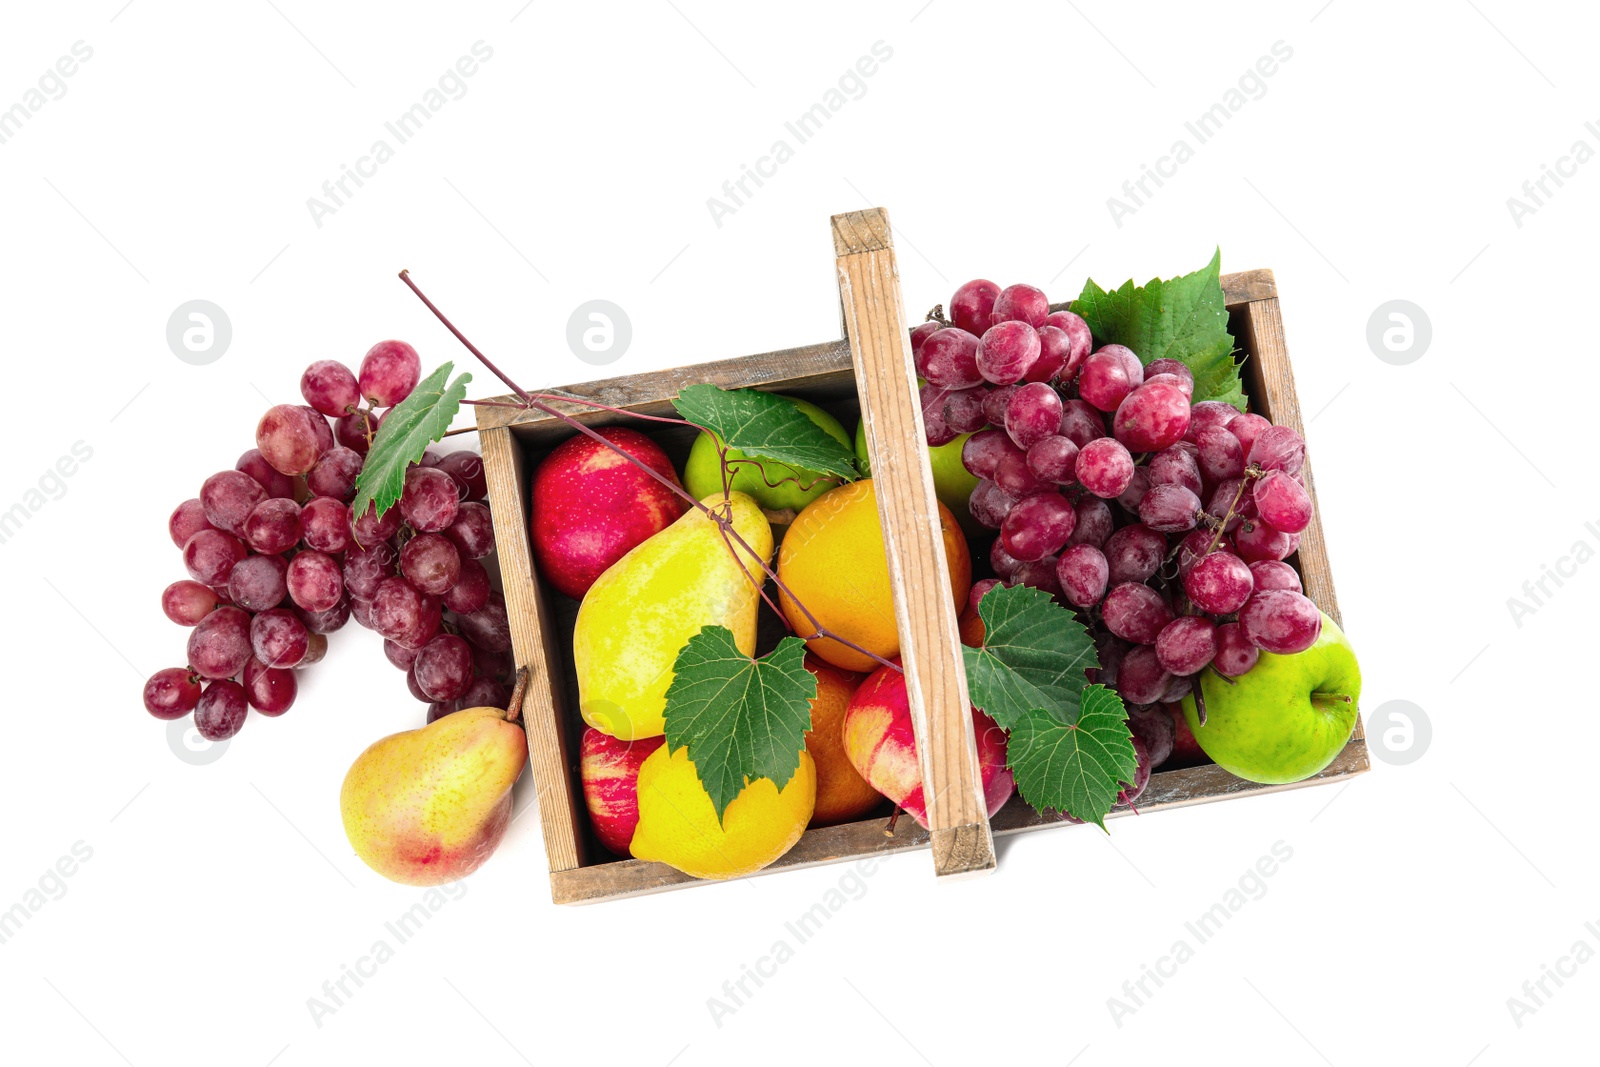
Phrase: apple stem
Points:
(1323, 701)
(514, 705)
(1200, 703)
(538, 402)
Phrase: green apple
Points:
(774, 485)
(952, 483)
(1287, 717)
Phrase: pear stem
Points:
(894, 817)
(537, 402)
(518, 691)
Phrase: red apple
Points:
(879, 740)
(609, 768)
(591, 506)
(1186, 751)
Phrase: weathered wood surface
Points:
(924, 604)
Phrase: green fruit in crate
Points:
(1287, 717)
(775, 486)
(952, 482)
(642, 611)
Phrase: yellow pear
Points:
(428, 806)
(641, 612)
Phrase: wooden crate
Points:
(868, 371)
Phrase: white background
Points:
(1377, 165)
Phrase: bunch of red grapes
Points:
(278, 559)
(1165, 521)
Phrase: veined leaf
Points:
(1074, 768)
(408, 429)
(766, 426)
(1033, 656)
(1182, 318)
(741, 718)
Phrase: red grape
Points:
(1103, 380)
(1083, 573)
(1037, 574)
(983, 451)
(364, 568)
(1246, 428)
(326, 622)
(187, 519)
(1135, 613)
(399, 654)
(396, 609)
(1140, 677)
(979, 588)
(1275, 574)
(1079, 334)
(1278, 448)
(315, 580)
(1281, 621)
(277, 485)
(921, 332)
(1134, 553)
(187, 602)
(288, 439)
(1038, 526)
(990, 504)
(1169, 508)
(1054, 459)
(1055, 347)
(325, 524)
(1281, 502)
(355, 430)
(430, 563)
(1081, 423)
(271, 691)
(1131, 497)
(210, 555)
(1219, 584)
(371, 528)
(316, 648)
(1210, 415)
(1104, 467)
(335, 474)
(1014, 475)
(972, 305)
(466, 466)
(1186, 644)
(1006, 351)
(934, 426)
(1257, 541)
(219, 644)
(1032, 414)
(1235, 653)
(1176, 368)
(950, 358)
(485, 693)
(1020, 303)
(994, 405)
(430, 501)
(1094, 521)
(1221, 455)
(1152, 417)
(963, 409)
(171, 693)
(443, 667)
(228, 497)
(1002, 562)
(473, 531)
(471, 590)
(1176, 466)
(274, 526)
(389, 371)
(330, 387)
(257, 583)
(221, 710)
(488, 627)
(279, 638)
(1195, 547)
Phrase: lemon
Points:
(678, 823)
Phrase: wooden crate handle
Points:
(930, 645)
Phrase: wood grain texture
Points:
(867, 840)
(533, 646)
(924, 604)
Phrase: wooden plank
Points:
(837, 844)
(651, 393)
(533, 639)
(924, 605)
(1248, 285)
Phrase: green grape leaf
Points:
(1077, 767)
(408, 429)
(741, 718)
(1182, 318)
(768, 427)
(1033, 656)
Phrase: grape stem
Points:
(722, 516)
(1233, 509)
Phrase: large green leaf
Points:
(1034, 655)
(408, 429)
(1074, 768)
(741, 718)
(1182, 318)
(768, 427)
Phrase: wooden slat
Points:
(838, 844)
(1248, 285)
(924, 605)
(533, 646)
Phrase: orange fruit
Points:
(842, 794)
(834, 562)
